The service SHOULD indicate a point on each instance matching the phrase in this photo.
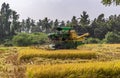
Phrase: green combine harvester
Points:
(65, 38)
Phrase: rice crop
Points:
(56, 54)
(75, 70)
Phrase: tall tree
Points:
(28, 25)
(101, 18)
(62, 24)
(6, 16)
(55, 25)
(22, 24)
(38, 26)
(32, 25)
(74, 21)
(84, 19)
(51, 24)
(1, 27)
(46, 25)
(15, 24)
(68, 23)
(114, 23)
(99, 26)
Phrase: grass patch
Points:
(3, 49)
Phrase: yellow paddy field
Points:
(88, 61)
(76, 70)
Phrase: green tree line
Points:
(100, 28)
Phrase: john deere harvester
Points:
(66, 38)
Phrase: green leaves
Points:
(8, 21)
(112, 37)
(109, 2)
(25, 39)
(84, 19)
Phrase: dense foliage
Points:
(92, 40)
(98, 28)
(112, 37)
(25, 39)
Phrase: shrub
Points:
(38, 38)
(92, 40)
(7, 41)
(24, 39)
(112, 37)
(8, 44)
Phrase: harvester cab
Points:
(65, 38)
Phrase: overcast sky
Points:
(61, 9)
